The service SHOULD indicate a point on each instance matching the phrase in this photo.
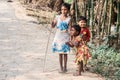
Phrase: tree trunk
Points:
(72, 13)
(88, 8)
(110, 16)
(104, 17)
(81, 7)
(92, 19)
(76, 10)
(118, 23)
(96, 12)
(100, 18)
(118, 17)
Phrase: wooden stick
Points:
(46, 51)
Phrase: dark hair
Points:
(77, 28)
(82, 18)
(66, 5)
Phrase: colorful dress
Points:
(62, 36)
(82, 53)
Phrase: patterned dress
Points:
(82, 51)
(62, 36)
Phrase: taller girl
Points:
(62, 23)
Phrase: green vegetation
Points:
(105, 61)
(68, 1)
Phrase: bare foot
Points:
(61, 70)
(76, 74)
(65, 70)
(81, 70)
(86, 69)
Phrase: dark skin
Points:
(80, 65)
(62, 56)
(80, 69)
(74, 34)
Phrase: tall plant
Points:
(100, 18)
(104, 16)
(110, 16)
(92, 17)
(118, 16)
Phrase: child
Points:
(85, 33)
(81, 48)
(62, 22)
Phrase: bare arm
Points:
(70, 24)
(54, 22)
(70, 44)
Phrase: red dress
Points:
(85, 34)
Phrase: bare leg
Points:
(82, 69)
(85, 65)
(82, 66)
(78, 73)
(65, 62)
(61, 62)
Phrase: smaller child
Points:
(81, 48)
(85, 33)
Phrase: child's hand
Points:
(53, 24)
(67, 43)
(70, 44)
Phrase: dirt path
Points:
(22, 48)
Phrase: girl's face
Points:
(64, 10)
(73, 32)
(82, 23)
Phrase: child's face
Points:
(64, 10)
(82, 23)
(73, 32)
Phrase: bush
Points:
(105, 61)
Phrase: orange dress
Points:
(82, 51)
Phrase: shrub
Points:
(105, 61)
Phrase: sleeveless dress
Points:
(61, 37)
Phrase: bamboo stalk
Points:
(118, 17)
(99, 21)
(72, 13)
(89, 2)
(110, 17)
(104, 17)
(85, 7)
(96, 14)
(92, 18)
(118, 21)
(76, 10)
(97, 10)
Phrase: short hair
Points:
(82, 18)
(66, 5)
(77, 28)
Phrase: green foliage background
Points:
(68, 1)
(105, 61)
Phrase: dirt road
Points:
(23, 45)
